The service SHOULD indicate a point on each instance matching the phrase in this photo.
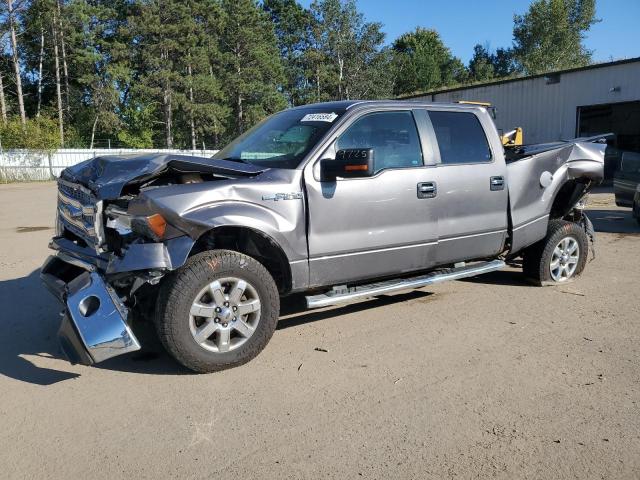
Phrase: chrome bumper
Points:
(94, 326)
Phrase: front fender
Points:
(287, 232)
(271, 203)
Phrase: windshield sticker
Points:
(319, 117)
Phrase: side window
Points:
(392, 135)
(460, 137)
(630, 162)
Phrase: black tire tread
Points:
(536, 257)
(171, 301)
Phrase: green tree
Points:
(44, 54)
(177, 78)
(138, 121)
(481, 66)
(204, 108)
(347, 52)
(293, 26)
(550, 35)
(504, 64)
(423, 63)
(485, 66)
(36, 134)
(99, 60)
(250, 63)
(157, 29)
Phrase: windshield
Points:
(281, 140)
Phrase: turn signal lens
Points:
(356, 168)
(157, 224)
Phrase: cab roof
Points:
(344, 105)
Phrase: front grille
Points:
(76, 192)
(78, 210)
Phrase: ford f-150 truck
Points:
(339, 201)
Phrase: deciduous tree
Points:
(549, 36)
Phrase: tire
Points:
(537, 259)
(636, 208)
(190, 305)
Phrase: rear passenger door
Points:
(472, 198)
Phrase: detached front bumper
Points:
(94, 325)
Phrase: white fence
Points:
(29, 165)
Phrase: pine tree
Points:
(205, 104)
(293, 27)
(425, 63)
(250, 63)
(99, 63)
(481, 66)
(157, 29)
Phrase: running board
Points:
(343, 294)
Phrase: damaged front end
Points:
(110, 248)
(95, 322)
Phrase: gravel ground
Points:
(485, 378)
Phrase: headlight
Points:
(153, 226)
(117, 219)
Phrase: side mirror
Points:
(349, 163)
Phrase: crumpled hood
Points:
(106, 176)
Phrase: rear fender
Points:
(535, 182)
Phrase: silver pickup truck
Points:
(339, 201)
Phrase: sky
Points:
(463, 23)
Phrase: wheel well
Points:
(566, 198)
(253, 243)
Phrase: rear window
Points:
(460, 137)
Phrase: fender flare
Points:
(257, 218)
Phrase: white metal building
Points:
(566, 104)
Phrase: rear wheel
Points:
(218, 311)
(560, 257)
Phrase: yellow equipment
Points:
(513, 138)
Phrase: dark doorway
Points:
(622, 119)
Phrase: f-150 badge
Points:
(283, 196)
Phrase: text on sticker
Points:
(319, 117)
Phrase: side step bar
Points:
(343, 294)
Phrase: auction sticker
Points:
(319, 117)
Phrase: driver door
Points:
(369, 227)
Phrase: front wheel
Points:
(218, 311)
(560, 257)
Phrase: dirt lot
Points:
(483, 378)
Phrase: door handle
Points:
(427, 190)
(496, 183)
